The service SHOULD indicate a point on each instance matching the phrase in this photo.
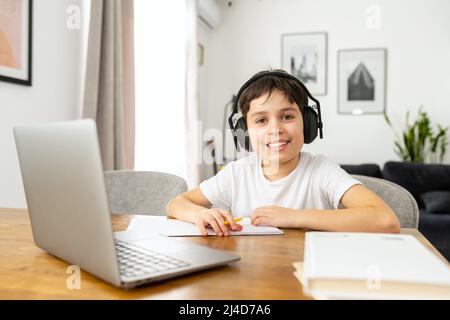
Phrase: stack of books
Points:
(340, 265)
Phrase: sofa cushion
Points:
(436, 228)
(367, 169)
(418, 178)
(436, 201)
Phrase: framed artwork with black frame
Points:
(362, 81)
(16, 41)
(305, 56)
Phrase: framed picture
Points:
(362, 81)
(15, 41)
(305, 56)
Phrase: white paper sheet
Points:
(177, 228)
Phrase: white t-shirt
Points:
(316, 183)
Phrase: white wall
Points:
(55, 94)
(204, 34)
(416, 34)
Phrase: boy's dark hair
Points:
(290, 88)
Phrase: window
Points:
(160, 62)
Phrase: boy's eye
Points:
(260, 120)
(288, 117)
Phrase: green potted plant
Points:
(419, 143)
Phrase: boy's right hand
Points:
(215, 218)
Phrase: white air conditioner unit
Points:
(209, 13)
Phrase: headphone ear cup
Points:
(247, 145)
(240, 130)
(310, 125)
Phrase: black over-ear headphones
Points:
(312, 119)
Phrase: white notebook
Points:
(176, 228)
(370, 265)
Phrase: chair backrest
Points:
(142, 192)
(397, 197)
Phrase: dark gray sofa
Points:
(430, 186)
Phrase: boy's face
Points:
(275, 127)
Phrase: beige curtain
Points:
(193, 126)
(109, 86)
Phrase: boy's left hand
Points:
(275, 216)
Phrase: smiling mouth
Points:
(278, 146)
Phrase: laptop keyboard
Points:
(136, 263)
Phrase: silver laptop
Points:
(70, 218)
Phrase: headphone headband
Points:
(263, 74)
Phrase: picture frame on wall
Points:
(362, 81)
(16, 41)
(305, 56)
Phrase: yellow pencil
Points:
(235, 220)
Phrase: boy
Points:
(280, 185)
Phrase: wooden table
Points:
(265, 271)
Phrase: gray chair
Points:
(397, 197)
(142, 192)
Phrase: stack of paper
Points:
(371, 266)
(176, 228)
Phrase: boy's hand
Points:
(275, 216)
(216, 217)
